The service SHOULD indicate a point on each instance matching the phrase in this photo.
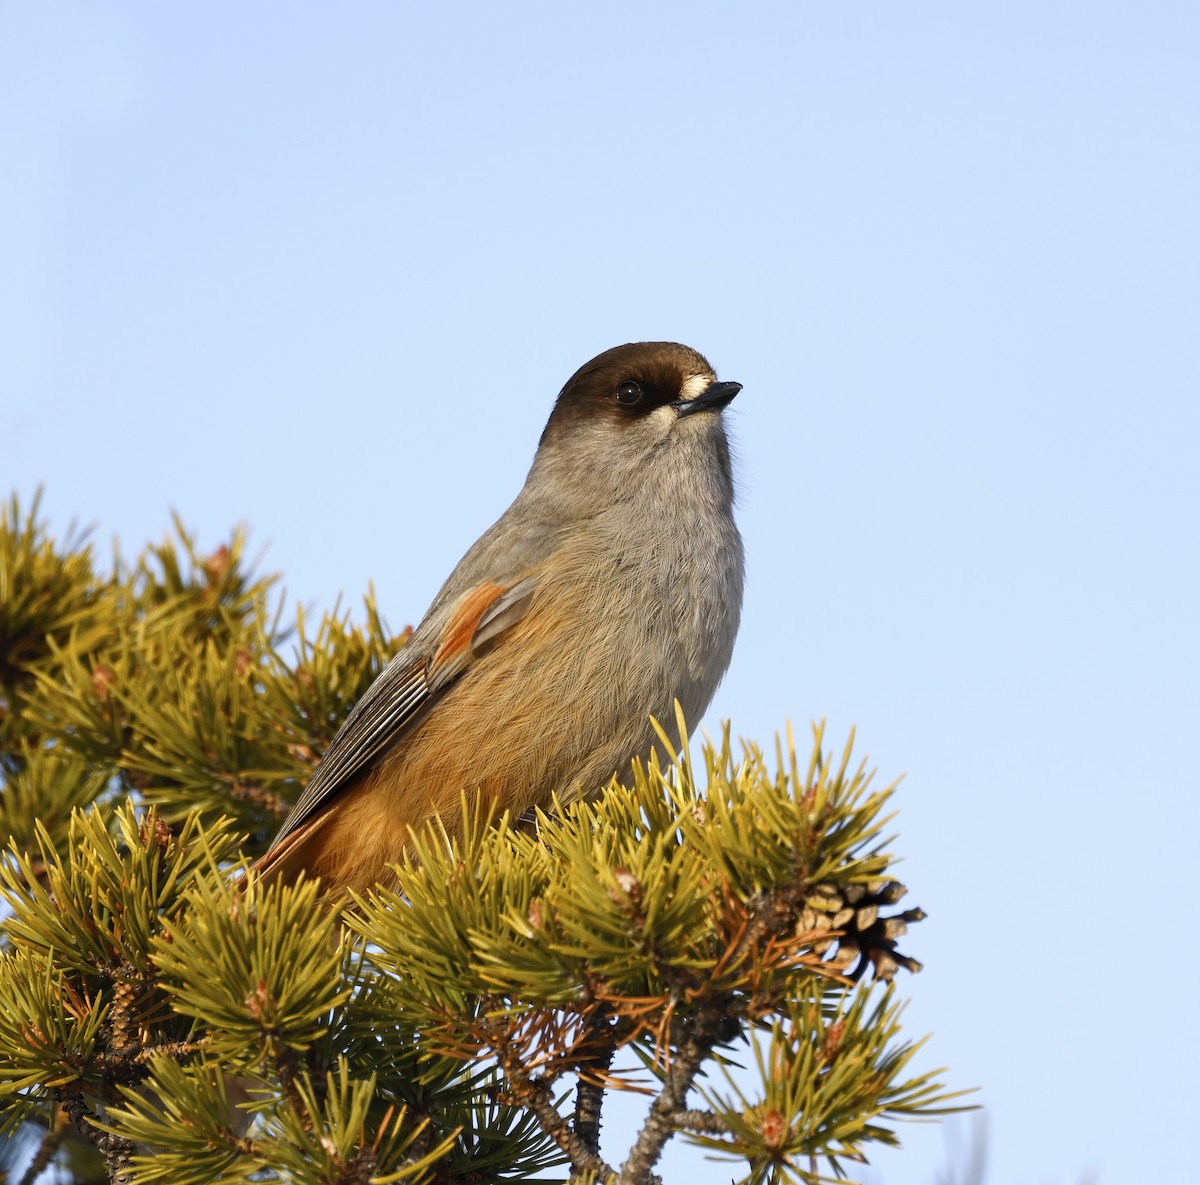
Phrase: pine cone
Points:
(846, 920)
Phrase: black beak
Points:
(715, 398)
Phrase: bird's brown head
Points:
(639, 391)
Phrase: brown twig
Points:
(705, 1122)
(176, 1049)
(116, 1150)
(283, 1059)
(589, 1094)
(534, 1095)
(665, 1111)
(124, 1037)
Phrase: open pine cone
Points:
(847, 921)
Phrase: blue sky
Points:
(323, 268)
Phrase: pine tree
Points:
(165, 1019)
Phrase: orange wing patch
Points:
(460, 629)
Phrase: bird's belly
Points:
(561, 705)
(565, 701)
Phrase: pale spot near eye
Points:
(695, 386)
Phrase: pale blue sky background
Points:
(323, 268)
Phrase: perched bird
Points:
(609, 589)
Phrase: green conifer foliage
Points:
(179, 1022)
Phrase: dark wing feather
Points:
(378, 720)
(404, 687)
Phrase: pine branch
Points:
(117, 1151)
(589, 1104)
(535, 1095)
(708, 1122)
(666, 1110)
(589, 1093)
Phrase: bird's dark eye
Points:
(629, 393)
